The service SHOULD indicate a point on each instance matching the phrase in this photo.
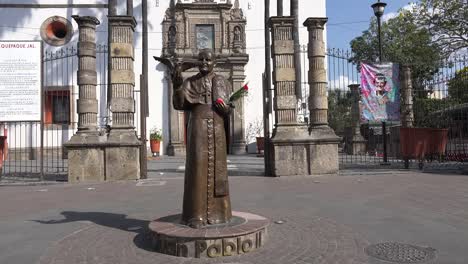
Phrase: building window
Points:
(56, 31)
(57, 107)
(205, 36)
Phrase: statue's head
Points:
(207, 61)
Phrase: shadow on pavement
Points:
(142, 239)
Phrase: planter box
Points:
(419, 143)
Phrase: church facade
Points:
(234, 29)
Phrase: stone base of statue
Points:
(243, 234)
(297, 151)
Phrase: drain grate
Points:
(400, 253)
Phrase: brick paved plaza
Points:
(324, 219)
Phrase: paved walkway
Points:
(319, 219)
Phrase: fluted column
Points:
(355, 142)
(122, 76)
(407, 114)
(355, 115)
(87, 76)
(318, 102)
(284, 71)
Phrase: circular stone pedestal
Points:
(245, 233)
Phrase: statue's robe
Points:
(206, 190)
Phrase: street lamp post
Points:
(379, 9)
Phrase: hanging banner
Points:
(20, 81)
(380, 92)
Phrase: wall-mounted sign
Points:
(20, 81)
(380, 92)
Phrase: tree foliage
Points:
(458, 86)
(339, 110)
(403, 42)
(445, 20)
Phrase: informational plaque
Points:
(20, 81)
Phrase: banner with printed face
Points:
(380, 92)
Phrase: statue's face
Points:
(206, 62)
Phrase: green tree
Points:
(403, 42)
(458, 86)
(446, 21)
(339, 109)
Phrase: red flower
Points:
(245, 87)
(219, 101)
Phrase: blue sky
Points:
(348, 18)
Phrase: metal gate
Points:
(441, 102)
(35, 150)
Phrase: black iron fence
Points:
(35, 150)
(439, 101)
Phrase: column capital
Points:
(405, 67)
(354, 87)
(315, 23)
(86, 21)
(281, 20)
(122, 21)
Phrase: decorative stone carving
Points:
(229, 46)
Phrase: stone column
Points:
(355, 142)
(290, 142)
(407, 114)
(122, 153)
(318, 103)
(238, 144)
(326, 149)
(176, 146)
(87, 76)
(122, 76)
(85, 156)
(284, 74)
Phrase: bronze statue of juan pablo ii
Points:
(206, 191)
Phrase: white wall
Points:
(24, 24)
(256, 43)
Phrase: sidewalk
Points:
(315, 219)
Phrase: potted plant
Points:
(155, 141)
(254, 133)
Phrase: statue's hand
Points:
(221, 106)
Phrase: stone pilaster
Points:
(122, 152)
(284, 74)
(87, 76)
(238, 135)
(290, 144)
(355, 142)
(326, 147)
(407, 114)
(318, 104)
(122, 75)
(176, 146)
(85, 157)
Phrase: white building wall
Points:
(24, 24)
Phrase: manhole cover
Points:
(400, 253)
